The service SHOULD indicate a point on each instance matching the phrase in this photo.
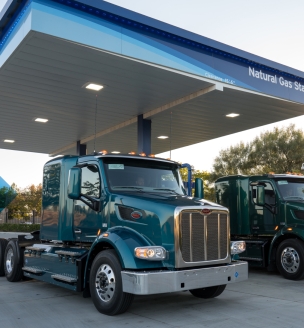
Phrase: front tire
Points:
(208, 292)
(106, 284)
(13, 258)
(290, 259)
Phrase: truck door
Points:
(87, 221)
(265, 218)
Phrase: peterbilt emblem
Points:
(136, 215)
(206, 211)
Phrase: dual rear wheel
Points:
(11, 259)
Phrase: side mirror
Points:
(199, 188)
(74, 183)
(260, 195)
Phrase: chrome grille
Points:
(203, 237)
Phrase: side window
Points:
(90, 181)
(269, 194)
(51, 184)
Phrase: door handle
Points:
(77, 231)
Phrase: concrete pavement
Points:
(265, 300)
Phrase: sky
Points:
(272, 29)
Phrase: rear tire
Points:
(13, 258)
(3, 243)
(208, 292)
(106, 284)
(290, 259)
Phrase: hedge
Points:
(10, 227)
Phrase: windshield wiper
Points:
(165, 189)
(294, 197)
(124, 187)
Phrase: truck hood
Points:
(165, 198)
(157, 215)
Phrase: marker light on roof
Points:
(132, 153)
(151, 155)
(142, 154)
(104, 152)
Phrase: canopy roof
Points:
(184, 83)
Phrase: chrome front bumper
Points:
(157, 282)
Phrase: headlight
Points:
(152, 253)
(237, 247)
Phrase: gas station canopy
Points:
(158, 80)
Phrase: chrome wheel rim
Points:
(290, 260)
(9, 261)
(105, 283)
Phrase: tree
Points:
(6, 196)
(233, 160)
(26, 201)
(207, 180)
(34, 198)
(279, 151)
(3, 192)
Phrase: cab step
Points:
(64, 278)
(32, 270)
(68, 253)
(35, 251)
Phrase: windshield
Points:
(126, 174)
(291, 189)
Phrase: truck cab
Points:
(115, 226)
(267, 211)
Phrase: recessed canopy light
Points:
(115, 152)
(95, 87)
(232, 115)
(8, 140)
(163, 137)
(42, 120)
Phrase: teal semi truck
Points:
(267, 212)
(115, 226)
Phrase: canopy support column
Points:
(81, 149)
(143, 135)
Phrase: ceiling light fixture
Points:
(41, 120)
(93, 86)
(232, 115)
(163, 137)
(9, 140)
(115, 152)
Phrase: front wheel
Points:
(290, 259)
(208, 292)
(106, 284)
